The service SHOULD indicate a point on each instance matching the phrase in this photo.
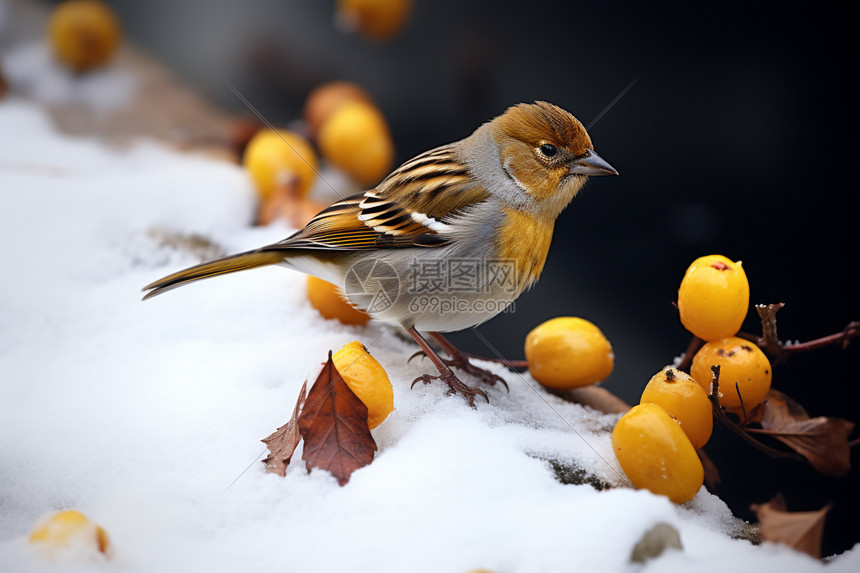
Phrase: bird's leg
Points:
(446, 375)
(461, 362)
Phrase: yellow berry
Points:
(325, 99)
(744, 369)
(83, 33)
(375, 19)
(683, 399)
(331, 303)
(279, 158)
(656, 455)
(568, 352)
(356, 139)
(70, 529)
(367, 379)
(714, 297)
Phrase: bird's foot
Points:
(455, 386)
(461, 362)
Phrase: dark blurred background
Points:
(738, 137)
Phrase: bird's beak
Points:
(591, 164)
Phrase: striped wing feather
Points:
(434, 186)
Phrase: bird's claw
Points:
(417, 354)
(462, 363)
(425, 378)
(455, 386)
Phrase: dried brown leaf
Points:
(282, 443)
(778, 409)
(821, 440)
(801, 530)
(334, 427)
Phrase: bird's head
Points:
(547, 152)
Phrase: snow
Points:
(147, 416)
(31, 68)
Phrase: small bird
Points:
(449, 239)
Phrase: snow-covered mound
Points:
(147, 416)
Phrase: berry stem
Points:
(695, 344)
(742, 432)
(769, 341)
(851, 331)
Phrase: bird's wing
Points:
(412, 207)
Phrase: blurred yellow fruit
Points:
(744, 369)
(325, 99)
(714, 297)
(377, 20)
(356, 139)
(568, 352)
(367, 379)
(683, 399)
(282, 205)
(280, 158)
(70, 529)
(331, 303)
(656, 454)
(83, 33)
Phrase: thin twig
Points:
(720, 414)
(851, 331)
(769, 340)
(695, 344)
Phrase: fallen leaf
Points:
(282, 443)
(821, 440)
(779, 409)
(801, 530)
(333, 424)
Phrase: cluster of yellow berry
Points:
(351, 134)
(713, 301)
(656, 441)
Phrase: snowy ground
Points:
(147, 416)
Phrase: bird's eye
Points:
(548, 149)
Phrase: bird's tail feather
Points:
(231, 264)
